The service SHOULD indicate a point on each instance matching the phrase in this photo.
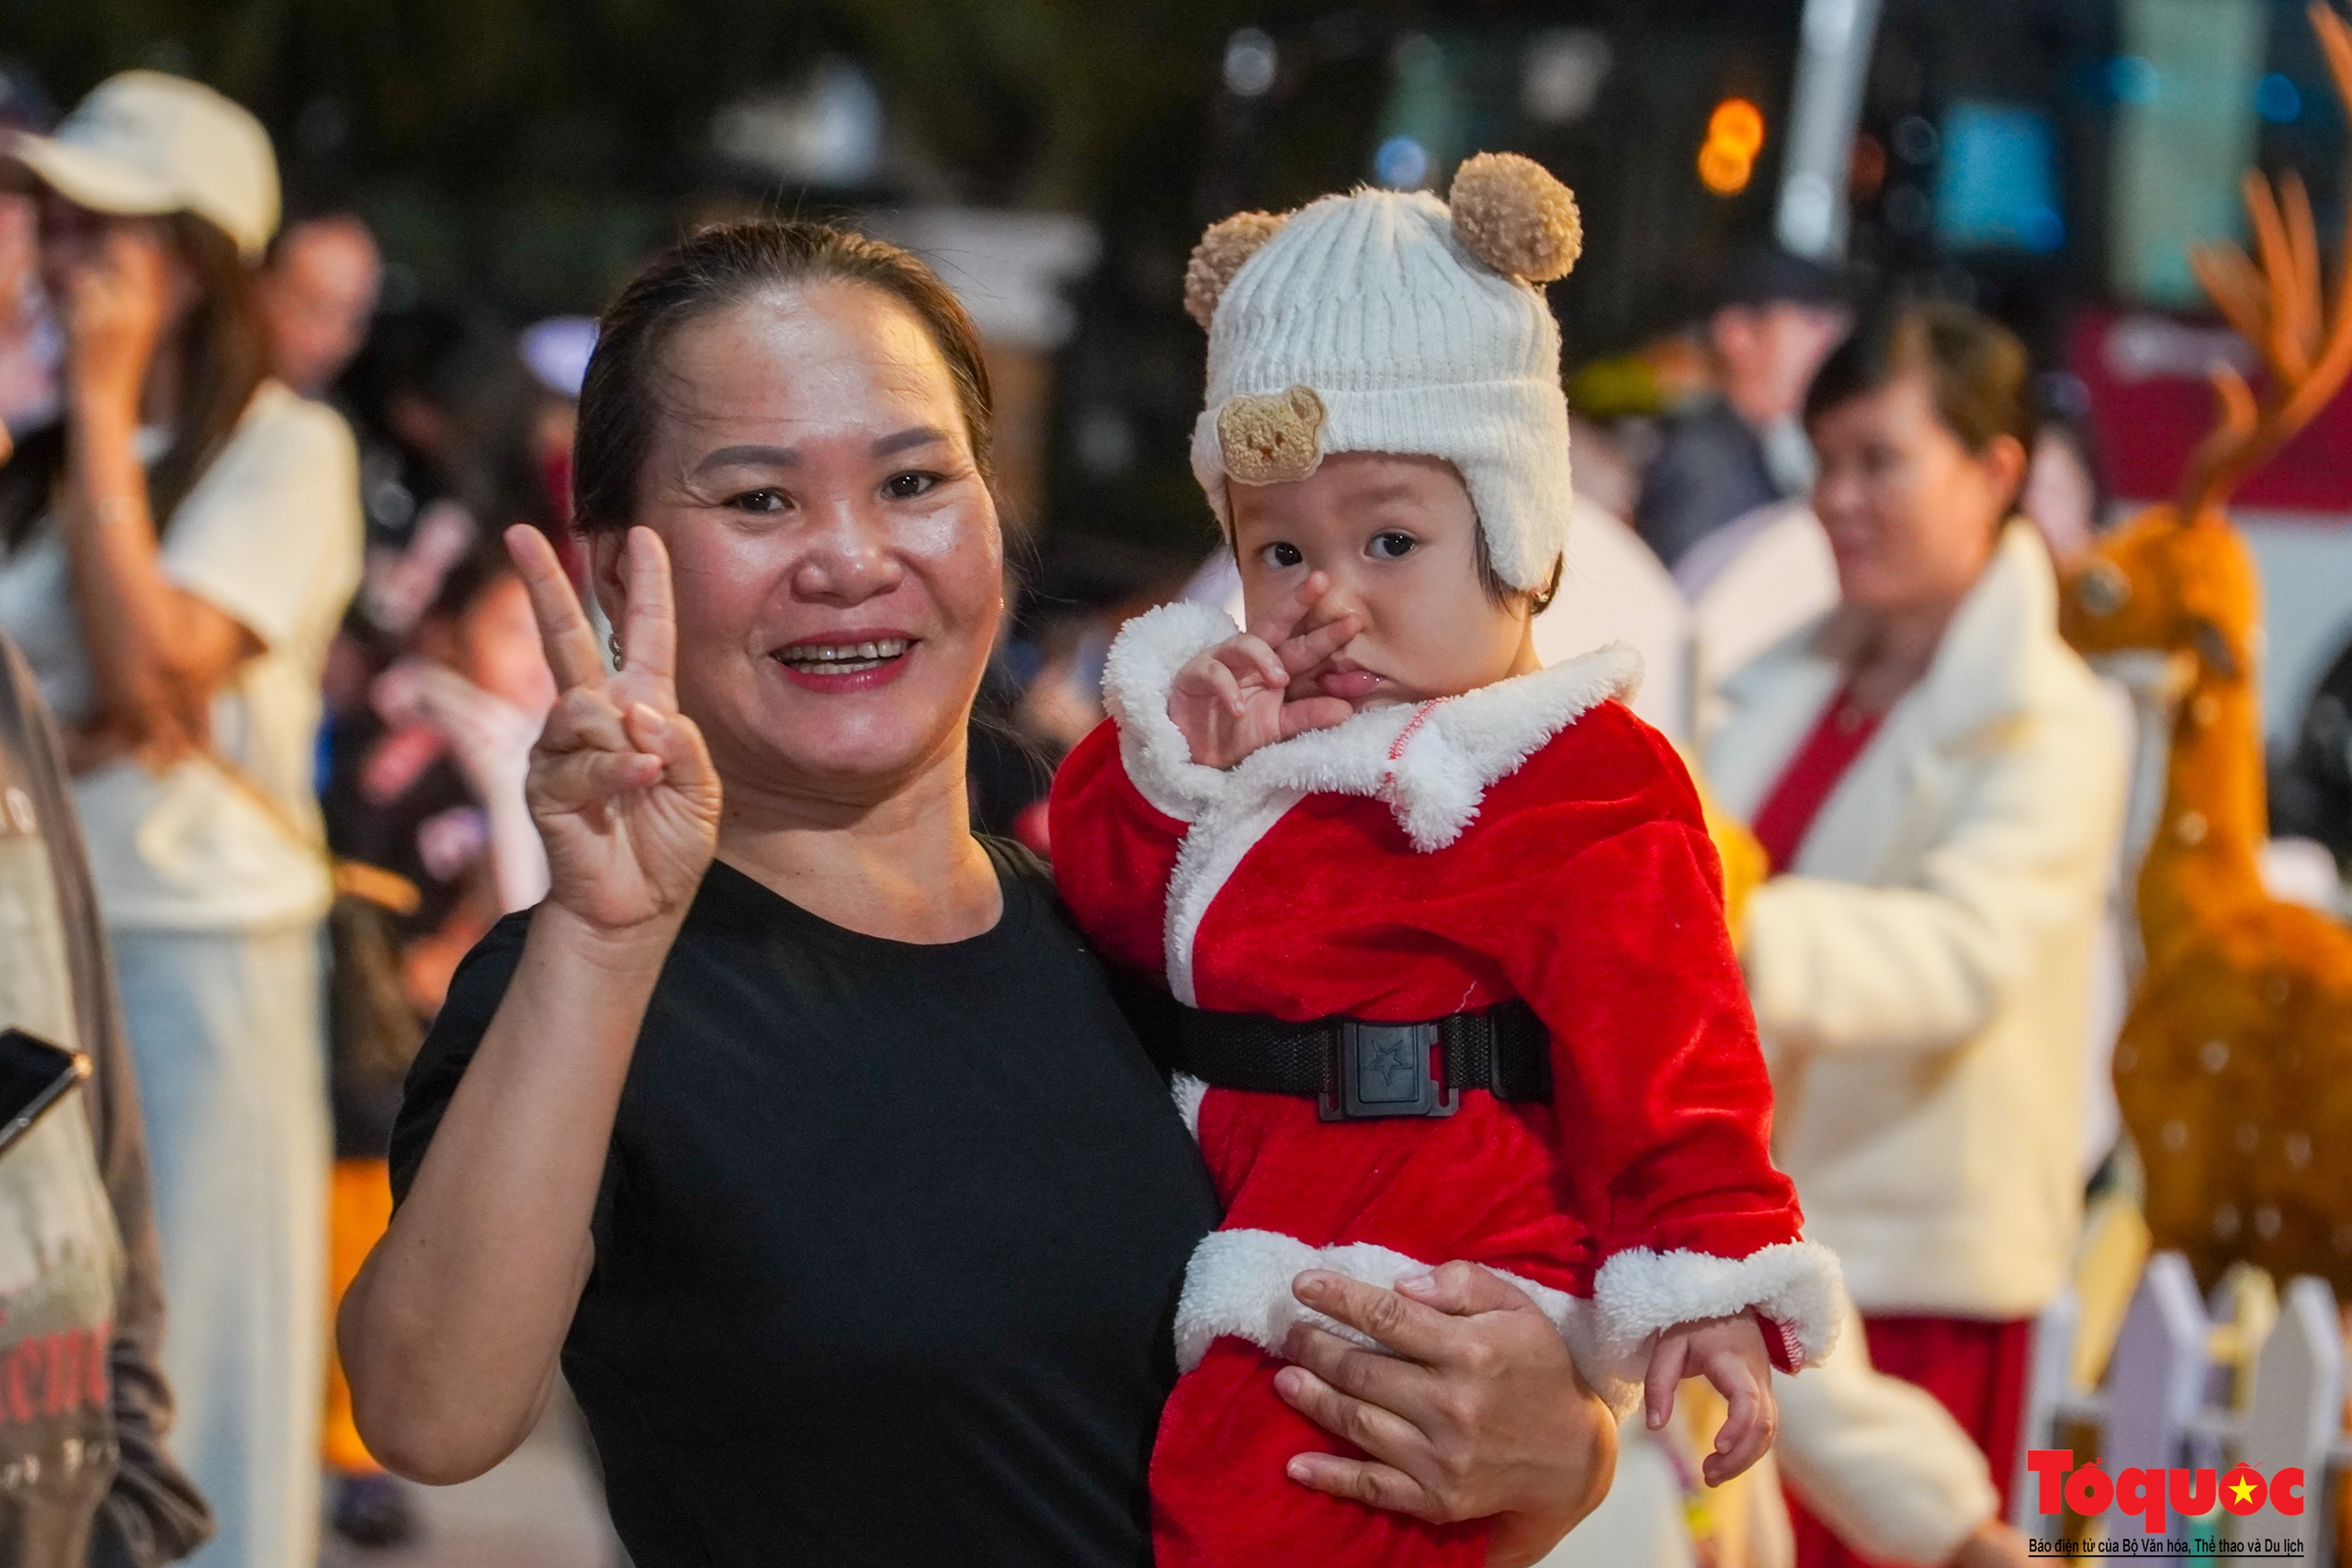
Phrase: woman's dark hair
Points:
(1977, 372)
(228, 356)
(719, 267)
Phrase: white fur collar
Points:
(1432, 762)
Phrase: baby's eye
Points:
(1281, 554)
(1392, 546)
(907, 486)
(764, 501)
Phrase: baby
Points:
(1445, 926)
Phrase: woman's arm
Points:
(1476, 1413)
(451, 1331)
(157, 651)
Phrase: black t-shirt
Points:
(887, 1246)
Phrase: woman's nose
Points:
(848, 560)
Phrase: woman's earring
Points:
(613, 642)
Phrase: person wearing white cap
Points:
(176, 551)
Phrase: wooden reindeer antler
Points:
(2306, 353)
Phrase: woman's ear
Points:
(607, 548)
(2004, 460)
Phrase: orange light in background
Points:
(1868, 170)
(1738, 125)
(1723, 171)
(1734, 135)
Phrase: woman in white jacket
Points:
(1939, 786)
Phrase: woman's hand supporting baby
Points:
(1729, 1353)
(1240, 695)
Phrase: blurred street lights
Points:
(1834, 60)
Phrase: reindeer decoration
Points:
(2235, 1066)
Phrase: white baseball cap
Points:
(144, 142)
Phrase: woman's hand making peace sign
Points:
(621, 784)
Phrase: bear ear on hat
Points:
(1511, 214)
(1225, 245)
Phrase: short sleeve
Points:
(475, 991)
(272, 534)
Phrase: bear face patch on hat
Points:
(1389, 322)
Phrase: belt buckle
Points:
(1379, 1070)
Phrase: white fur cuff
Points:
(1797, 1284)
(1239, 1283)
(1142, 666)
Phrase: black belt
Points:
(1356, 1071)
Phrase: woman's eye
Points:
(906, 487)
(1279, 555)
(762, 501)
(1392, 546)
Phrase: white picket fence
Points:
(2178, 1393)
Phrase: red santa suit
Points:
(1528, 840)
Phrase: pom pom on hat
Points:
(1227, 244)
(1511, 214)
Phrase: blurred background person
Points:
(1938, 782)
(29, 343)
(1743, 448)
(94, 1478)
(317, 290)
(178, 547)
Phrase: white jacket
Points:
(1921, 977)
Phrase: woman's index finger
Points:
(1398, 1323)
(564, 633)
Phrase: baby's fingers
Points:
(1748, 1432)
(1308, 649)
(1664, 1375)
(1206, 682)
(1282, 617)
(1250, 659)
(1315, 713)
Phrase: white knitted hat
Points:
(1381, 321)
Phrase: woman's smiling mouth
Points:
(842, 658)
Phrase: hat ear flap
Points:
(1511, 214)
(1227, 244)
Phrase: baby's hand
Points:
(1729, 1353)
(1235, 698)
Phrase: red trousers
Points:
(1977, 1368)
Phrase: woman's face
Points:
(74, 238)
(838, 570)
(1912, 513)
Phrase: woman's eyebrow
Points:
(749, 457)
(922, 436)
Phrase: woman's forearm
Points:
(158, 652)
(450, 1333)
(117, 580)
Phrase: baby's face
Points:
(1399, 539)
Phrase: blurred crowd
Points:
(251, 548)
